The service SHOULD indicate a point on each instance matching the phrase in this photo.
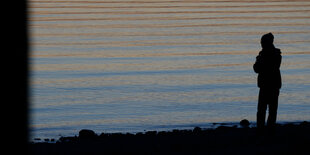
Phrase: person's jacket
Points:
(267, 66)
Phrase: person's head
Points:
(267, 40)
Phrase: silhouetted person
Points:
(267, 66)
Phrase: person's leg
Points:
(261, 109)
(273, 108)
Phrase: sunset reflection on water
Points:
(135, 65)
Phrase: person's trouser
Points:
(267, 96)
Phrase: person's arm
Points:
(279, 62)
(257, 65)
(276, 63)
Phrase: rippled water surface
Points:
(135, 65)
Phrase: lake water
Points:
(135, 65)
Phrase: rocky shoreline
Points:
(288, 138)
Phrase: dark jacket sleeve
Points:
(278, 63)
(257, 65)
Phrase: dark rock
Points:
(244, 123)
(87, 134)
(129, 134)
(304, 123)
(289, 125)
(197, 130)
(162, 133)
(224, 128)
(151, 133)
(67, 139)
(139, 134)
(175, 131)
(46, 140)
(38, 139)
(102, 135)
(186, 132)
(118, 134)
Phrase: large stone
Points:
(87, 134)
(244, 123)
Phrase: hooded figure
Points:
(267, 66)
(268, 63)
